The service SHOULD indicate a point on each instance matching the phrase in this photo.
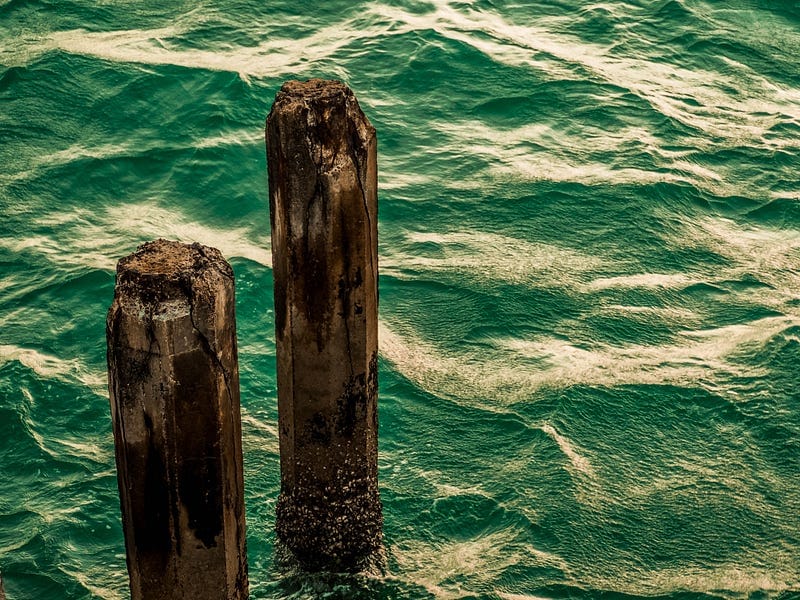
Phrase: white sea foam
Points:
(545, 167)
(670, 314)
(434, 564)
(695, 355)
(444, 490)
(698, 98)
(540, 152)
(99, 239)
(52, 367)
(510, 596)
(579, 463)
(790, 195)
(490, 256)
(437, 565)
(273, 57)
(748, 114)
(87, 450)
(769, 249)
(80, 151)
(42, 364)
(516, 369)
(259, 434)
(744, 577)
(643, 280)
(96, 581)
(392, 180)
(448, 490)
(770, 254)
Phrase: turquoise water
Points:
(590, 281)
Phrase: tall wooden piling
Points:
(174, 387)
(322, 159)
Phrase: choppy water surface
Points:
(590, 280)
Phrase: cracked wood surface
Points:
(322, 161)
(174, 388)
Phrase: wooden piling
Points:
(174, 387)
(322, 161)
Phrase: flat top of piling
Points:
(315, 89)
(169, 258)
(161, 257)
(326, 104)
(167, 271)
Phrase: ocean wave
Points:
(700, 99)
(78, 451)
(488, 257)
(275, 56)
(52, 367)
(767, 255)
(758, 575)
(394, 180)
(98, 239)
(437, 565)
(259, 434)
(505, 374)
(771, 249)
(78, 152)
(580, 463)
(694, 97)
(756, 268)
(645, 280)
(619, 155)
(97, 581)
(544, 152)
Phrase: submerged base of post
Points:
(333, 529)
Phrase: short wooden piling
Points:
(174, 388)
(322, 159)
(2, 589)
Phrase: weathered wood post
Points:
(2, 589)
(174, 384)
(322, 158)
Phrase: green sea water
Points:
(589, 221)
